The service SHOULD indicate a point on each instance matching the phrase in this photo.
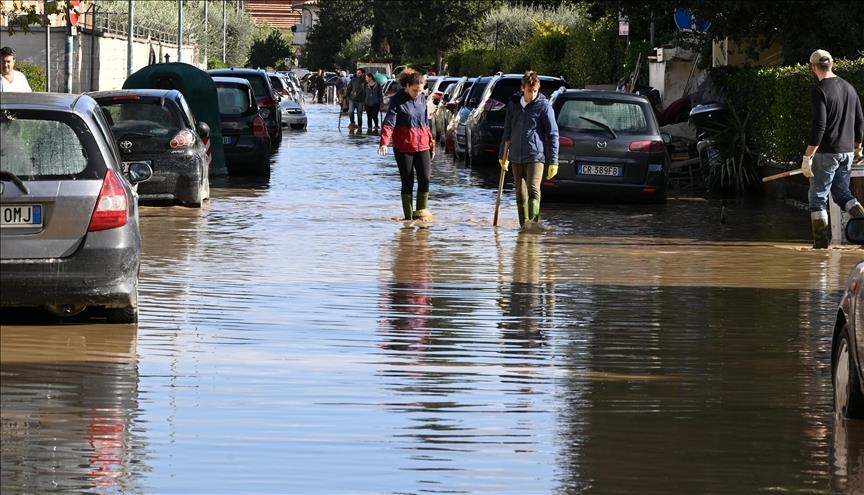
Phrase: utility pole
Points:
(206, 36)
(129, 29)
(223, 32)
(47, 47)
(179, 30)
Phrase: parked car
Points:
(485, 123)
(444, 110)
(69, 236)
(293, 114)
(610, 148)
(157, 126)
(244, 132)
(472, 99)
(267, 98)
(435, 101)
(453, 106)
(390, 88)
(847, 373)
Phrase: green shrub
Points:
(216, 63)
(35, 75)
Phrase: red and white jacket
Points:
(407, 124)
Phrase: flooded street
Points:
(297, 337)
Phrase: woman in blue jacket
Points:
(531, 136)
(407, 126)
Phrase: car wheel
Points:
(121, 315)
(848, 400)
(278, 140)
(203, 193)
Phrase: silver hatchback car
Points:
(69, 237)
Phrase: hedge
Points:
(35, 75)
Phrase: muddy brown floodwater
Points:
(296, 337)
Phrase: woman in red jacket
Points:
(407, 125)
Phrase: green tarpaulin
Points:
(198, 89)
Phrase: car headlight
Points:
(264, 112)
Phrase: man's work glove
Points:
(859, 158)
(551, 171)
(505, 164)
(807, 166)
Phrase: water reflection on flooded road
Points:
(296, 337)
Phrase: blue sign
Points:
(686, 21)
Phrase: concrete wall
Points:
(98, 63)
(669, 70)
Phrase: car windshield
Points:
(233, 100)
(593, 115)
(44, 145)
(148, 117)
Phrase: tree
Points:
(337, 21)
(270, 51)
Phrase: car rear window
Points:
(623, 117)
(150, 117)
(233, 100)
(259, 86)
(47, 145)
(477, 88)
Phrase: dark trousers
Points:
(409, 163)
(372, 115)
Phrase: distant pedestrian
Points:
(356, 97)
(407, 123)
(531, 136)
(341, 86)
(374, 97)
(320, 85)
(11, 79)
(836, 133)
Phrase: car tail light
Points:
(259, 128)
(286, 92)
(126, 98)
(390, 92)
(493, 105)
(647, 146)
(565, 142)
(183, 139)
(112, 205)
(266, 102)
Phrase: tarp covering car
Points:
(198, 89)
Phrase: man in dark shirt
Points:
(836, 132)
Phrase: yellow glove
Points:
(552, 171)
(807, 166)
(505, 164)
(859, 158)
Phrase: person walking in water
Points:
(529, 140)
(407, 125)
(836, 133)
(374, 97)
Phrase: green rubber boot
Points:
(522, 210)
(534, 210)
(422, 211)
(821, 229)
(406, 206)
(856, 210)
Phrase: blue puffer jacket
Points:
(532, 131)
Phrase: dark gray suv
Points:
(69, 237)
(266, 97)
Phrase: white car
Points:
(293, 114)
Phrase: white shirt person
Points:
(11, 79)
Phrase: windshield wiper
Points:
(4, 175)
(601, 124)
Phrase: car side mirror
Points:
(203, 129)
(138, 171)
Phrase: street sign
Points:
(686, 21)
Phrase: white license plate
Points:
(598, 170)
(21, 216)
